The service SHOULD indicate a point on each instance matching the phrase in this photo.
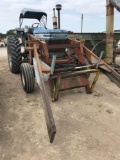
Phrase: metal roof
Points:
(32, 13)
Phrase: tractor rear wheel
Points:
(14, 54)
(27, 77)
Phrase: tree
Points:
(10, 32)
(117, 30)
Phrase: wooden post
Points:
(109, 32)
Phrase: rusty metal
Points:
(54, 20)
(63, 81)
(74, 82)
(116, 67)
(76, 73)
(109, 32)
(108, 70)
(65, 78)
(93, 38)
(58, 46)
(94, 59)
(113, 76)
(47, 108)
(66, 63)
(94, 81)
(78, 50)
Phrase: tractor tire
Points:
(14, 54)
(27, 77)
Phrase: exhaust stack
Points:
(54, 20)
(109, 32)
(58, 8)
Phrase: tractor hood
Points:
(47, 34)
(32, 14)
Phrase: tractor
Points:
(50, 56)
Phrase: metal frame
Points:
(60, 79)
(64, 78)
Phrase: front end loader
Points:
(53, 59)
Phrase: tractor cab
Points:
(40, 15)
(27, 13)
(39, 29)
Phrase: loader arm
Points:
(104, 67)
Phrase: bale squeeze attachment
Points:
(61, 73)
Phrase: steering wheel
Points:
(37, 24)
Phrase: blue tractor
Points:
(39, 30)
(50, 56)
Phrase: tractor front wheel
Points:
(27, 77)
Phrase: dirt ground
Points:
(88, 126)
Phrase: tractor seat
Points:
(30, 30)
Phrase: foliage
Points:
(10, 32)
(117, 30)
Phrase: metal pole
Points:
(54, 20)
(109, 32)
(81, 23)
(58, 8)
(59, 19)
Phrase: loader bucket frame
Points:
(60, 79)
